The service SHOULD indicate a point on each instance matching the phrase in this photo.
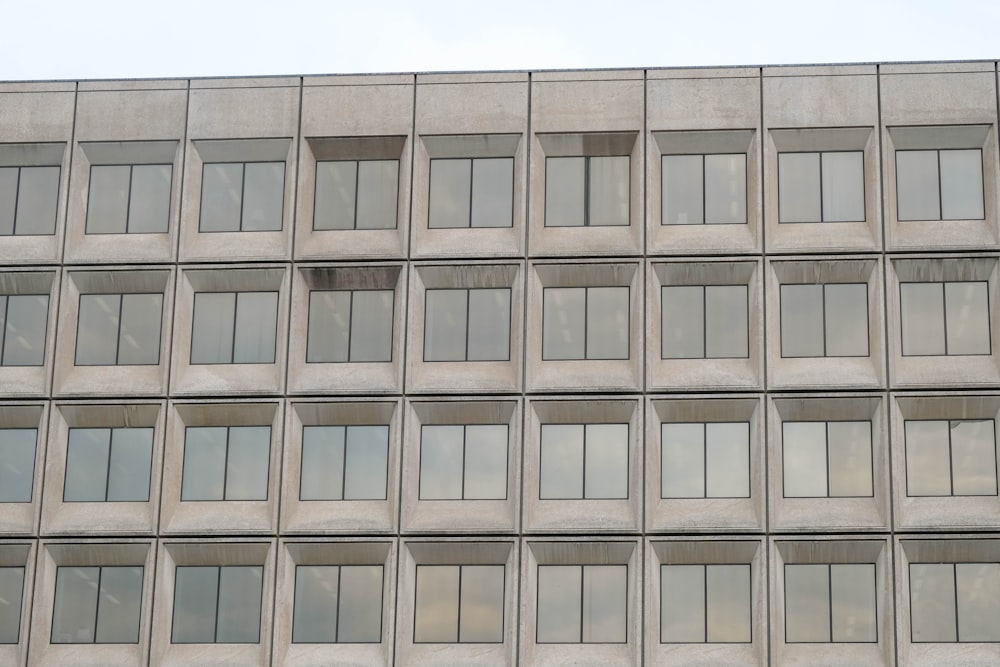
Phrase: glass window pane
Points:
(87, 452)
(445, 324)
(221, 197)
(921, 310)
(336, 192)
(493, 192)
(371, 325)
(684, 192)
(74, 611)
(239, 605)
(802, 321)
(846, 319)
(481, 604)
(97, 331)
(727, 453)
(807, 603)
(322, 463)
(367, 462)
(843, 186)
(804, 459)
(212, 330)
(927, 458)
(563, 322)
(978, 593)
(564, 178)
(682, 598)
(932, 602)
(263, 196)
(37, 201)
(139, 339)
(204, 463)
(435, 617)
(329, 327)
(726, 189)
(131, 461)
(314, 619)
(108, 201)
(360, 604)
(441, 454)
(450, 195)
(917, 191)
(149, 203)
(256, 327)
(559, 604)
(24, 338)
(8, 199)
(605, 593)
(489, 324)
(609, 185)
(248, 462)
(195, 597)
(682, 462)
(377, 184)
(799, 187)
(852, 590)
(11, 592)
(606, 461)
(727, 330)
(683, 326)
(607, 322)
(486, 461)
(967, 318)
(962, 185)
(17, 464)
(974, 458)
(727, 592)
(121, 605)
(561, 474)
(850, 459)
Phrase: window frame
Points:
(44, 337)
(19, 554)
(826, 332)
(820, 153)
(704, 187)
(465, 446)
(243, 185)
(588, 187)
(468, 302)
(944, 316)
(111, 457)
(941, 201)
(830, 601)
(583, 461)
(128, 205)
(704, 319)
(236, 317)
(226, 469)
(705, 465)
(97, 609)
(473, 160)
(951, 456)
(587, 322)
(829, 484)
(705, 601)
(17, 195)
(351, 323)
(344, 466)
(458, 603)
(357, 191)
(121, 306)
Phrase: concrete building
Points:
(641, 367)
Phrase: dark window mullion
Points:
(586, 320)
(586, 191)
(704, 193)
(107, 474)
(17, 198)
(97, 603)
(829, 595)
(823, 293)
(118, 338)
(704, 322)
(951, 467)
(822, 210)
(458, 605)
(218, 581)
(350, 330)
(243, 189)
(340, 598)
(582, 567)
(357, 192)
(583, 464)
(954, 576)
(944, 313)
(704, 607)
(827, 443)
(3, 335)
(343, 478)
(225, 471)
(468, 303)
(128, 198)
(937, 154)
(465, 444)
(236, 309)
(472, 189)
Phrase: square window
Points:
(954, 602)
(582, 604)
(344, 462)
(108, 465)
(129, 199)
(827, 603)
(704, 189)
(467, 325)
(459, 604)
(225, 463)
(591, 191)
(11, 592)
(827, 459)
(356, 194)
(25, 318)
(217, 605)
(827, 320)
(584, 461)
(463, 462)
(821, 187)
(951, 457)
(17, 464)
(471, 193)
(585, 323)
(29, 198)
(350, 326)
(945, 184)
(242, 196)
(705, 604)
(705, 460)
(119, 329)
(704, 322)
(337, 604)
(945, 318)
(234, 327)
(97, 605)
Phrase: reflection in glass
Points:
(24, 321)
(561, 470)
(582, 604)
(459, 603)
(196, 591)
(237, 196)
(337, 604)
(705, 603)
(221, 197)
(234, 327)
(108, 200)
(212, 331)
(255, 327)
(11, 592)
(17, 464)
(356, 194)
(489, 325)
(119, 329)
(802, 321)
(97, 605)
(804, 459)
(104, 464)
(351, 326)
(921, 307)
(344, 462)
(584, 461)
(977, 590)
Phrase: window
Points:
(25, 317)
(704, 189)
(582, 604)
(827, 459)
(828, 320)
(584, 461)
(344, 462)
(821, 187)
(217, 605)
(242, 196)
(17, 464)
(108, 465)
(459, 603)
(950, 318)
(129, 199)
(467, 325)
(97, 605)
(955, 602)
(234, 327)
(705, 604)
(704, 322)
(705, 460)
(471, 192)
(337, 604)
(29, 197)
(587, 191)
(119, 329)
(350, 326)
(11, 592)
(940, 184)
(226, 463)
(463, 462)
(830, 603)
(585, 323)
(355, 194)
(951, 457)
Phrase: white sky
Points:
(68, 39)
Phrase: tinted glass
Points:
(917, 194)
(149, 201)
(683, 326)
(139, 336)
(87, 453)
(962, 185)
(336, 194)
(445, 324)
(97, 604)
(8, 199)
(726, 322)
(727, 593)
(329, 327)
(932, 602)
(371, 325)
(366, 461)
(481, 604)
(850, 459)
(317, 591)
(804, 459)
(564, 322)
(256, 327)
(11, 592)
(682, 604)
(377, 184)
(24, 329)
(450, 195)
(559, 605)
(204, 463)
(683, 190)
(17, 464)
(221, 197)
(609, 196)
(322, 463)
(239, 605)
(682, 461)
(37, 201)
(843, 186)
(360, 618)
(435, 617)
(605, 465)
(263, 196)
(97, 331)
(802, 321)
(967, 318)
(486, 461)
(928, 459)
(604, 600)
(977, 589)
(131, 461)
(74, 611)
(799, 187)
(212, 330)
(120, 605)
(974, 458)
(921, 309)
(846, 320)
(726, 189)
(247, 463)
(852, 591)
(607, 322)
(807, 603)
(108, 201)
(489, 325)
(196, 594)
(441, 455)
(492, 192)
(561, 474)
(727, 457)
(564, 188)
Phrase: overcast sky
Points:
(68, 39)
